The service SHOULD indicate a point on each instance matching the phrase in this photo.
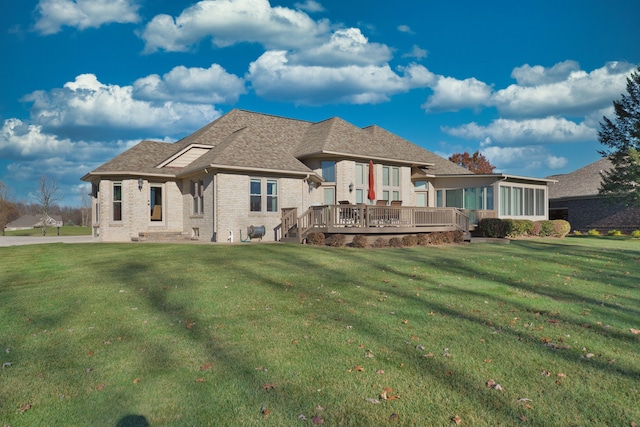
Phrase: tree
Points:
(47, 194)
(476, 162)
(8, 210)
(622, 139)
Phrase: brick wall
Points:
(599, 214)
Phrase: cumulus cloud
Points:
(450, 94)
(562, 89)
(310, 6)
(521, 160)
(52, 15)
(228, 22)
(345, 47)
(92, 108)
(526, 132)
(273, 78)
(211, 85)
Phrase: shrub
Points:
(458, 236)
(359, 241)
(380, 243)
(545, 227)
(593, 232)
(423, 239)
(614, 233)
(395, 242)
(577, 233)
(493, 227)
(635, 233)
(337, 241)
(409, 240)
(560, 228)
(520, 227)
(315, 238)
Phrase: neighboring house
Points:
(292, 177)
(27, 222)
(575, 197)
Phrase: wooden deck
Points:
(371, 220)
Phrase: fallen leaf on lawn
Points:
(294, 342)
(497, 387)
(268, 386)
(545, 373)
(200, 380)
(457, 420)
(420, 347)
(393, 417)
(429, 355)
(488, 360)
(589, 355)
(205, 366)
(561, 375)
(302, 417)
(261, 368)
(523, 418)
(368, 354)
(524, 399)
(635, 331)
(358, 368)
(90, 354)
(265, 413)
(372, 400)
(189, 324)
(405, 321)
(361, 346)
(99, 387)
(528, 406)
(319, 408)
(317, 420)
(380, 371)
(137, 380)
(25, 408)
(545, 340)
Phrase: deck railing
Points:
(363, 216)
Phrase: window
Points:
(420, 188)
(516, 193)
(263, 193)
(505, 200)
(453, 198)
(329, 171)
(540, 201)
(117, 202)
(197, 193)
(528, 201)
(362, 182)
(329, 196)
(390, 183)
(256, 195)
(272, 195)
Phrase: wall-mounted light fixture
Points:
(312, 185)
(351, 188)
(140, 182)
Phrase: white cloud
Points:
(272, 77)
(561, 90)
(522, 160)
(526, 132)
(310, 6)
(405, 29)
(83, 14)
(416, 52)
(232, 21)
(345, 47)
(450, 94)
(92, 108)
(211, 85)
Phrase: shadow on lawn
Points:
(242, 365)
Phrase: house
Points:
(27, 222)
(279, 178)
(575, 197)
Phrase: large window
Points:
(116, 214)
(421, 188)
(362, 182)
(522, 201)
(197, 194)
(390, 183)
(329, 171)
(472, 198)
(263, 195)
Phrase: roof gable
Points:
(581, 182)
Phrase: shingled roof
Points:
(255, 141)
(583, 182)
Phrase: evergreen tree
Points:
(622, 139)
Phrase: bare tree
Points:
(85, 206)
(47, 194)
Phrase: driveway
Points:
(33, 240)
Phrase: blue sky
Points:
(524, 82)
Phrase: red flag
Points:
(372, 192)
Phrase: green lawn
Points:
(65, 230)
(269, 334)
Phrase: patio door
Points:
(156, 205)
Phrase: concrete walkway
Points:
(38, 240)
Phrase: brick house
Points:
(574, 197)
(248, 170)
